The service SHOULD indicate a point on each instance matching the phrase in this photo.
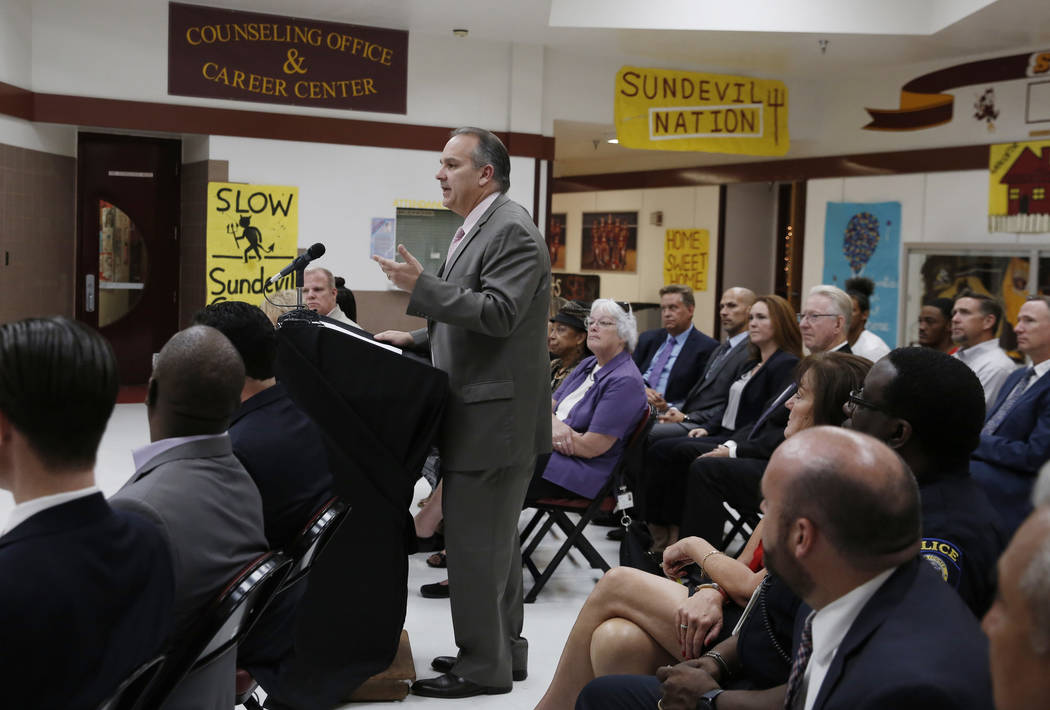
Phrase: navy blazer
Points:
(283, 452)
(85, 598)
(914, 646)
(1006, 462)
(770, 381)
(687, 366)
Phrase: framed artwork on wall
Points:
(610, 242)
(556, 240)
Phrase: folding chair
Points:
(301, 551)
(219, 627)
(554, 511)
(742, 524)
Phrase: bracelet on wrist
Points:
(721, 661)
(704, 561)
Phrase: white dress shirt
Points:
(870, 346)
(23, 511)
(830, 626)
(991, 365)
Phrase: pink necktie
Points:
(455, 243)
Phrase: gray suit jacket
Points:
(210, 513)
(706, 401)
(487, 328)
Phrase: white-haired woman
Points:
(595, 408)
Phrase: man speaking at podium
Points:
(486, 312)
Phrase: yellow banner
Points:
(664, 109)
(685, 257)
(253, 232)
(1018, 187)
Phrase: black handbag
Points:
(634, 548)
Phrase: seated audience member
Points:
(825, 381)
(707, 398)
(319, 294)
(594, 412)
(626, 626)
(1015, 440)
(595, 409)
(671, 358)
(975, 322)
(85, 590)
(935, 324)
(1018, 624)
(344, 298)
(861, 340)
(279, 446)
(278, 303)
(927, 406)
(189, 483)
(879, 628)
(825, 320)
(567, 341)
(775, 345)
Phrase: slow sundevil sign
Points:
(663, 109)
(253, 231)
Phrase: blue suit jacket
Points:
(283, 452)
(1006, 462)
(687, 367)
(914, 646)
(85, 598)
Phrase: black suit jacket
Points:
(687, 366)
(769, 381)
(283, 452)
(85, 598)
(707, 399)
(914, 646)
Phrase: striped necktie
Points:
(796, 693)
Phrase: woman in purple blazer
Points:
(595, 409)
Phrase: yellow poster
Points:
(1019, 187)
(253, 232)
(685, 257)
(664, 109)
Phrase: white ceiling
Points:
(768, 38)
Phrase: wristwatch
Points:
(707, 700)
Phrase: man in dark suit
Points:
(879, 628)
(1015, 440)
(709, 393)
(189, 483)
(486, 314)
(672, 358)
(85, 590)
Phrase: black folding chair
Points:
(219, 627)
(555, 511)
(302, 551)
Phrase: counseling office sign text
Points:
(249, 56)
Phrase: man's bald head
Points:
(733, 308)
(855, 489)
(196, 384)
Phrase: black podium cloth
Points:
(379, 413)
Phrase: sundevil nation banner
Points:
(252, 233)
(924, 102)
(665, 109)
(250, 56)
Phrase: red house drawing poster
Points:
(1019, 187)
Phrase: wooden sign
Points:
(249, 56)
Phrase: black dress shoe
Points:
(452, 686)
(443, 664)
(437, 590)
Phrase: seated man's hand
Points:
(397, 338)
(671, 415)
(656, 399)
(698, 433)
(719, 452)
(701, 615)
(683, 685)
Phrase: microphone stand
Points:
(300, 314)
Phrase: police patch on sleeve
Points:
(944, 557)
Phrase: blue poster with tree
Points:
(863, 239)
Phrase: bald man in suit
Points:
(486, 312)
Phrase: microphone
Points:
(314, 252)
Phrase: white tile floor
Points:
(547, 621)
